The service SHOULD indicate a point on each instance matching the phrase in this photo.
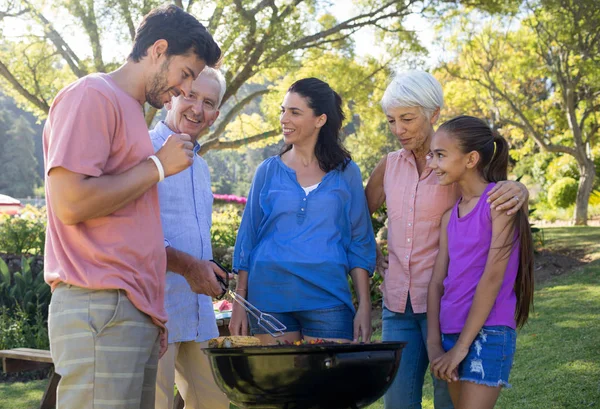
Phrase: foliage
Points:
(534, 77)
(18, 165)
(262, 42)
(17, 330)
(24, 288)
(226, 222)
(563, 193)
(23, 233)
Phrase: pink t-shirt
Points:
(94, 128)
(415, 206)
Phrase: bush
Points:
(23, 233)
(225, 224)
(22, 288)
(17, 330)
(563, 193)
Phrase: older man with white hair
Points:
(186, 210)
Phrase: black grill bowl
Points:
(318, 376)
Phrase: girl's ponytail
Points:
(497, 169)
(524, 282)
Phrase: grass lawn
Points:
(20, 395)
(578, 241)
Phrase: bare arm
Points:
(76, 198)
(436, 287)
(238, 324)
(374, 190)
(362, 320)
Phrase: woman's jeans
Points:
(406, 391)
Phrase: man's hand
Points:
(176, 154)
(200, 275)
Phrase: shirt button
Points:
(410, 210)
(406, 257)
(409, 224)
(408, 240)
(302, 209)
(304, 199)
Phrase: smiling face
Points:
(173, 77)
(195, 112)
(298, 120)
(448, 161)
(412, 127)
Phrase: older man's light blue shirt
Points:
(186, 213)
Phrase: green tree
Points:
(536, 79)
(262, 42)
(17, 159)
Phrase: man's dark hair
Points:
(181, 30)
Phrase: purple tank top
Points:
(469, 241)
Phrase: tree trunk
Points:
(587, 172)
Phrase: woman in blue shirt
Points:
(306, 226)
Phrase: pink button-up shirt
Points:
(415, 206)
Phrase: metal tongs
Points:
(266, 321)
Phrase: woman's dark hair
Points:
(473, 134)
(323, 100)
(181, 30)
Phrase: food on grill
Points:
(306, 342)
(233, 341)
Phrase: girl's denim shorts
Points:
(490, 356)
(332, 323)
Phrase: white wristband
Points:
(159, 166)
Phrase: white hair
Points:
(216, 74)
(413, 89)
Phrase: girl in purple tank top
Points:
(482, 284)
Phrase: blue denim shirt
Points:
(186, 214)
(298, 249)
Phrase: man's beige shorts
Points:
(104, 349)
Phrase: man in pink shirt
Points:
(105, 257)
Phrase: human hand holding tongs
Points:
(266, 321)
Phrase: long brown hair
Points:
(329, 150)
(473, 134)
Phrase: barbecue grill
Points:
(310, 376)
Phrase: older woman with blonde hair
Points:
(415, 205)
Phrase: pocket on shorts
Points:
(104, 308)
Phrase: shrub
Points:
(17, 330)
(563, 193)
(225, 224)
(23, 233)
(24, 289)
